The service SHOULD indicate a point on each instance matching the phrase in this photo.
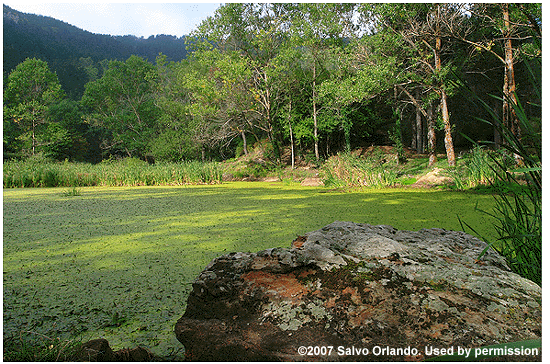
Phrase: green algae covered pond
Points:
(118, 263)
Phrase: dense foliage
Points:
(315, 79)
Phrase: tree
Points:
(176, 139)
(122, 101)
(363, 70)
(75, 139)
(423, 28)
(506, 31)
(31, 89)
(256, 32)
(316, 29)
(221, 96)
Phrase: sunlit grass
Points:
(72, 263)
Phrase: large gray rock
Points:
(359, 292)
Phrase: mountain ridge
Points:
(68, 50)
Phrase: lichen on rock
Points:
(357, 285)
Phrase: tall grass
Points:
(29, 346)
(477, 168)
(518, 210)
(42, 172)
(348, 170)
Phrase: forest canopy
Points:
(317, 78)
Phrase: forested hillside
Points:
(76, 55)
(313, 79)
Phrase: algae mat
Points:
(118, 263)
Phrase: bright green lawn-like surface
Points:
(118, 262)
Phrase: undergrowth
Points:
(30, 346)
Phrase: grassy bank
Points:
(378, 168)
(118, 262)
(41, 172)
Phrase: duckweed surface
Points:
(118, 262)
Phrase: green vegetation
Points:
(32, 347)
(318, 79)
(302, 85)
(119, 262)
(518, 209)
(42, 172)
(474, 171)
(348, 170)
(478, 168)
(76, 55)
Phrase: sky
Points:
(141, 19)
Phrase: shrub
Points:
(479, 168)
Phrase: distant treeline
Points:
(311, 79)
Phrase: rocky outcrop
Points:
(312, 182)
(435, 177)
(359, 292)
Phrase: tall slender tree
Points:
(31, 88)
(501, 30)
(423, 28)
(316, 29)
(256, 31)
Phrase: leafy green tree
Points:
(66, 121)
(257, 32)
(358, 75)
(423, 28)
(176, 136)
(122, 101)
(31, 89)
(220, 105)
(317, 29)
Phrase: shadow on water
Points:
(74, 264)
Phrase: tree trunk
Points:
(245, 150)
(291, 134)
(449, 147)
(414, 133)
(266, 103)
(315, 136)
(33, 145)
(509, 80)
(419, 138)
(420, 110)
(431, 136)
(509, 116)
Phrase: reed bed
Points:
(42, 172)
